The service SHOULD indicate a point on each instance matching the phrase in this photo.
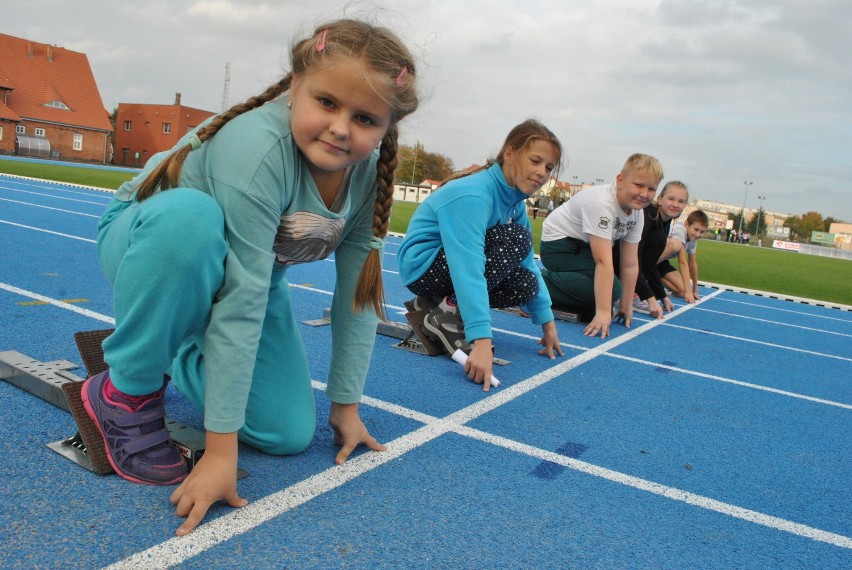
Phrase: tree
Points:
(757, 222)
(826, 223)
(416, 164)
(736, 219)
(801, 227)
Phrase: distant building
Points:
(50, 105)
(143, 130)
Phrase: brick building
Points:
(50, 105)
(143, 130)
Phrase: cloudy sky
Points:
(721, 91)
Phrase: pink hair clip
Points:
(403, 74)
(321, 42)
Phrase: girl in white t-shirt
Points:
(577, 240)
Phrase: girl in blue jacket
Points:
(468, 248)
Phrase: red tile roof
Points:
(39, 74)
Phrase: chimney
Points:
(49, 53)
(30, 49)
(177, 99)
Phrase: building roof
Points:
(40, 75)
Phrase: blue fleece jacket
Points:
(456, 218)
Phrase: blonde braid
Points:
(167, 174)
(370, 290)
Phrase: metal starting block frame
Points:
(410, 340)
(558, 315)
(46, 380)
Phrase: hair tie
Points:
(321, 42)
(194, 142)
(377, 242)
(403, 73)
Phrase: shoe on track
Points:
(137, 441)
(448, 328)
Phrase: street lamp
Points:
(742, 212)
(759, 214)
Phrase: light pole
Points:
(742, 212)
(414, 168)
(759, 214)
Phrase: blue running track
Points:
(716, 438)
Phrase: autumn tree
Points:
(802, 226)
(416, 164)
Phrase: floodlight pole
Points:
(759, 214)
(742, 212)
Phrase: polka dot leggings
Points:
(509, 284)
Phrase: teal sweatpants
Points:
(165, 260)
(569, 273)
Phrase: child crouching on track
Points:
(683, 243)
(668, 206)
(196, 248)
(577, 240)
(468, 248)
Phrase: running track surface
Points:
(716, 438)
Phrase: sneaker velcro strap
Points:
(134, 419)
(145, 442)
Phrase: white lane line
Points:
(47, 231)
(760, 342)
(779, 309)
(778, 323)
(239, 521)
(43, 184)
(57, 303)
(673, 493)
(49, 208)
(54, 196)
(206, 536)
(732, 381)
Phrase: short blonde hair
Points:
(643, 162)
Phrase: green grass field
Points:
(763, 269)
(111, 179)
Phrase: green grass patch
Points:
(758, 268)
(775, 270)
(96, 177)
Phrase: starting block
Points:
(410, 335)
(558, 315)
(52, 382)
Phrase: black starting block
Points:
(52, 382)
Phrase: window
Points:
(58, 105)
(127, 125)
(21, 129)
(167, 128)
(78, 142)
(1, 133)
(39, 132)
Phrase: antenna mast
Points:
(226, 87)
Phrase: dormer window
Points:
(57, 105)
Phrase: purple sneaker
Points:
(137, 441)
